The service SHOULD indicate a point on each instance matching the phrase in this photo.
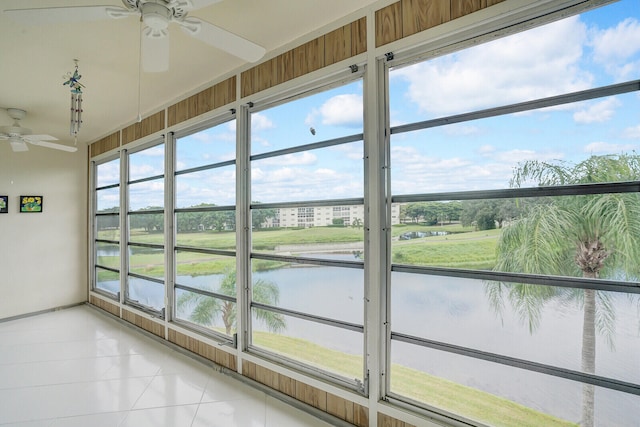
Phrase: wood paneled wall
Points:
(202, 102)
(148, 125)
(327, 402)
(142, 322)
(407, 17)
(387, 421)
(203, 349)
(342, 43)
(105, 305)
(107, 143)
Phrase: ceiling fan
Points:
(156, 15)
(19, 136)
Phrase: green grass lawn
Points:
(464, 248)
(438, 392)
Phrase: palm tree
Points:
(205, 310)
(590, 236)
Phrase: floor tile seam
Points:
(77, 382)
(70, 359)
(193, 418)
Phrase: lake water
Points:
(457, 311)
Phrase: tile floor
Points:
(77, 367)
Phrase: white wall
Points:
(43, 256)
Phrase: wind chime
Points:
(73, 80)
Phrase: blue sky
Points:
(597, 48)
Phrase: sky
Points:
(597, 48)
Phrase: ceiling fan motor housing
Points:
(156, 16)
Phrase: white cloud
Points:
(260, 122)
(345, 110)
(598, 112)
(632, 132)
(304, 158)
(486, 150)
(613, 47)
(527, 65)
(516, 156)
(606, 147)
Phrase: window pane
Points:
(108, 200)
(108, 173)
(502, 72)
(214, 187)
(146, 228)
(208, 230)
(108, 255)
(332, 232)
(331, 292)
(146, 292)
(492, 153)
(108, 227)
(146, 261)
(207, 147)
(146, 195)
(327, 173)
(214, 313)
(215, 273)
(498, 394)
(537, 235)
(146, 163)
(543, 324)
(336, 350)
(108, 281)
(327, 115)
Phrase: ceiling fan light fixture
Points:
(155, 16)
(17, 144)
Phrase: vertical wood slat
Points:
(144, 323)
(420, 15)
(153, 123)
(105, 144)
(105, 305)
(335, 46)
(203, 349)
(461, 8)
(388, 421)
(388, 24)
(359, 36)
(202, 102)
(407, 17)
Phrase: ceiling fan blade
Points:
(18, 145)
(199, 4)
(61, 15)
(155, 51)
(40, 138)
(54, 146)
(222, 39)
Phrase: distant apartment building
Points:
(323, 216)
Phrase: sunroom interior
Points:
(405, 213)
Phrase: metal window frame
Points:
(447, 46)
(244, 164)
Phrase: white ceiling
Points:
(34, 60)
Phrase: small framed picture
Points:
(30, 204)
(4, 204)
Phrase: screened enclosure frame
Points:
(378, 201)
(391, 61)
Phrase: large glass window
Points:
(107, 228)
(307, 221)
(514, 274)
(145, 245)
(205, 224)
